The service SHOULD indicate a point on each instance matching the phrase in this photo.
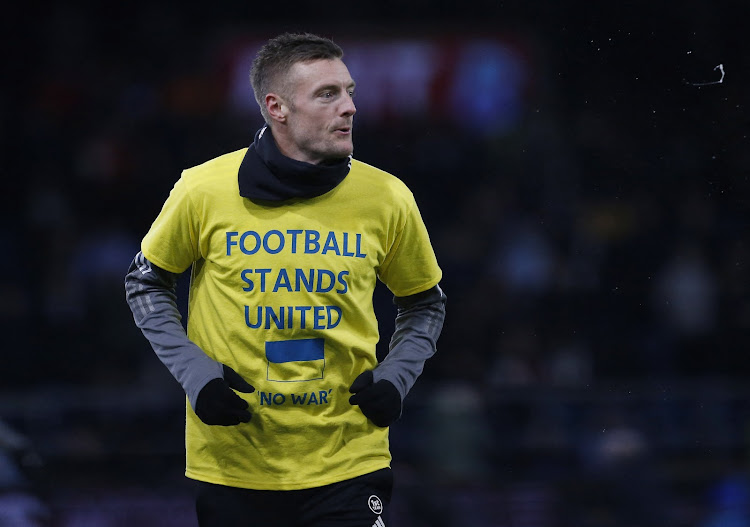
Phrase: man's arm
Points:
(419, 321)
(151, 294)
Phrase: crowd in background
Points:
(598, 240)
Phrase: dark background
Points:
(582, 168)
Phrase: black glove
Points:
(217, 404)
(380, 401)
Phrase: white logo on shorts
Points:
(376, 506)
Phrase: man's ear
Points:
(277, 107)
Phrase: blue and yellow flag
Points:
(296, 360)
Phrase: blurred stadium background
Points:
(583, 170)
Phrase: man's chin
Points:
(341, 153)
(337, 152)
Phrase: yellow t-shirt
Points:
(282, 293)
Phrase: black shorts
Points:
(358, 502)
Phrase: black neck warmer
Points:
(268, 175)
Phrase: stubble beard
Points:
(335, 151)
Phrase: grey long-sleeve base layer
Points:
(151, 294)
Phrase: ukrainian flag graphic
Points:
(295, 360)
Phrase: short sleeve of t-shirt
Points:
(410, 266)
(172, 241)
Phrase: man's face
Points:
(321, 111)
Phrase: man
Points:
(287, 408)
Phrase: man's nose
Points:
(348, 107)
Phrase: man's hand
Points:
(217, 404)
(379, 401)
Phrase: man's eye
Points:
(327, 94)
(351, 93)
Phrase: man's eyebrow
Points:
(335, 87)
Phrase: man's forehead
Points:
(320, 71)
